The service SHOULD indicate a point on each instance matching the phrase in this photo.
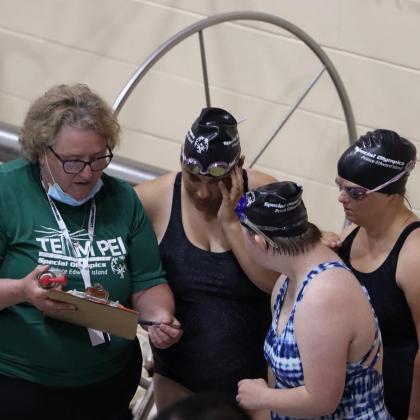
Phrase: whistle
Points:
(49, 279)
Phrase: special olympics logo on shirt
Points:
(118, 266)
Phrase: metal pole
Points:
(233, 16)
(204, 66)
(289, 113)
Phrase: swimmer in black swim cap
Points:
(380, 161)
(220, 295)
(318, 308)
(212, 145)
(381, 248)
(277, 213)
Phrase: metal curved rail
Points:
(247, 15)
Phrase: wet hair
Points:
(376, 158)
(204, 407)
(213, 137)
(66, 106)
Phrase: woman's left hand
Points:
(331, 240)
(168, 332)
(230, 198)
(250, 392)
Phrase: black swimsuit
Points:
(395, 321)
(225, 316)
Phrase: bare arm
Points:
(260, 276)
(324, 332)
(157, 304)
(408, 279)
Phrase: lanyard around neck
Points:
(82, 263)
(96, 336)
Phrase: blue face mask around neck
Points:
(56, 193)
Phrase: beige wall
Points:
(256, 71)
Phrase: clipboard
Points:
(114, 318)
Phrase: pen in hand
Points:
(146, 323)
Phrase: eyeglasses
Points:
(359, 193)
(75, 166)
(215, 169)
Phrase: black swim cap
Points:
(276, 209)
(213, 137)
(378, 157)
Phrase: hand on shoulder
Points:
(331, 240)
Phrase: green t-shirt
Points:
(124, 258)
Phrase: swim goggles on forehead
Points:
(215, 169)
(359, 193)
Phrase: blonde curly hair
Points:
(63, 105)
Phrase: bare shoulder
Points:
(327, 305)
(408, 274)
(333, 288)
(148, 191)
(408, 270)
(257, 178)
(413, 239)
(156, 193)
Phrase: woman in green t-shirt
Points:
(58, 210)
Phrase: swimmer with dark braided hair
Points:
(221, 297)
(381, 246)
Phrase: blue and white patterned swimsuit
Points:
(363, 391)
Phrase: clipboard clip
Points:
(97, 293)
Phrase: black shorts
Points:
(106, 400)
